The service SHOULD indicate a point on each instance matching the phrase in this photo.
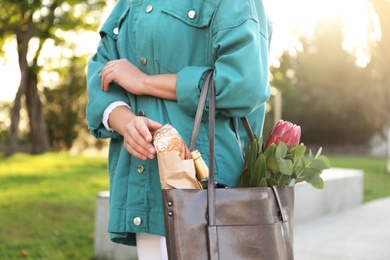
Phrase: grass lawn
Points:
(376, 178)
(47, 205)
(47, 202)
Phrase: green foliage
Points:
(65, 105)
(326, 93)
(281, 166)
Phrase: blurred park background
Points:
(329, 71)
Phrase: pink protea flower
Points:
(286, 132)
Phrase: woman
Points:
(147, 71)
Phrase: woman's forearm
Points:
(137, 82)
(162, 86)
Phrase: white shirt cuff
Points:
(108, 111)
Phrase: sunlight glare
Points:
(9, 72)
(302, 15)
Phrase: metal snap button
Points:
(141, 113)
(140, 168)
(143, 61)
(149, 8)
(191, 14)
(137, 221)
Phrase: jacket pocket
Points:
(193, 13)
(183, 35)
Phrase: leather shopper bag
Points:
(227, 223)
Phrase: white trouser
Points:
(151, 247)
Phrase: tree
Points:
(65, 100)
(65, 104)
(32, 24)
(4, 111)
(324, 90)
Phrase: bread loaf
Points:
(167, 138)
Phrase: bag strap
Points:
(199, 111)
(211, 185)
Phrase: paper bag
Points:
(176, 173)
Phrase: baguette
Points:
(167, 138)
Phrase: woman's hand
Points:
(138, 137)
(125, 74)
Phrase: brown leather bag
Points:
(227, 223)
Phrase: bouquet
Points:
(281, 161)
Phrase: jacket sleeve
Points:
(240, 41)
(240, 48)
(99, 100)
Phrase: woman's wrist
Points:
(119, 118)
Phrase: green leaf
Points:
(284, 180)
(271, 182)
(252, 155)
(243, 179)
(270, 151)
(263, 183)
(272, 175)
(317, 182)
(325, 160)
(247, 153)
(285, 166)
(308, 173)
(298, 151)
(273, 165)
(281, 150)
(260, 143)
(297, 168)
(319, 152)
(311, 157)
(258, 171)
(291, 182)
(319, 164)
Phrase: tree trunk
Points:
(38, 133)
(28, 88)
(12, 139)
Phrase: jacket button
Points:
(140, 168)
(149, 8)
(191, 14)
(137, 221)
(116, 30)
(141, 113)
(143, 61)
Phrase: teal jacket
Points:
(188, 38)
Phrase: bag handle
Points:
(199, 111)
